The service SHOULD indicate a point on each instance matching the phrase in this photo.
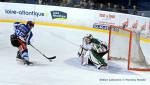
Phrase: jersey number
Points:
(20, 33)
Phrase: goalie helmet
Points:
(89, 36)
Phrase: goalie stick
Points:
(81, 51)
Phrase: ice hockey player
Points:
(21, 38)
(92, 51)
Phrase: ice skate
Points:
(103, 66)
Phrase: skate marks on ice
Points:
(113, 68)
(75, 62)
(35, 64)
(117, 68)
(14, 83)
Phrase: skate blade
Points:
(28, 64)
(23, 63)
(19, 60)
(103, 68)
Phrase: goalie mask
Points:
(88, 40)
(89, 36)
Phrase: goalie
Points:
(92, 51)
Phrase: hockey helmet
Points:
(30, 23)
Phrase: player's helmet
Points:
(30, 23)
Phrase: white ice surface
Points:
(66, 68)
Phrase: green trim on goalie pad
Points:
(94, 40)
(99, 57)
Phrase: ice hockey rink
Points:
(65, 69)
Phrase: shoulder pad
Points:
(16, 22)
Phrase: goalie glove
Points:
(102, 43)
(99, 48)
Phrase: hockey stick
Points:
(49, 58)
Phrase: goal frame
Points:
(129, 48)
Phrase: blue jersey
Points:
(24, 32)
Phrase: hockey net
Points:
(125, 45)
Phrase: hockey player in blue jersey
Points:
(21, 38)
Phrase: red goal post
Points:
(124, 46)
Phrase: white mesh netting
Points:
(120, 47)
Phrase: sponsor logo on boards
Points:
(59, 15)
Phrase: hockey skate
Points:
(27, 62)
(18, 57)
(103, 66)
